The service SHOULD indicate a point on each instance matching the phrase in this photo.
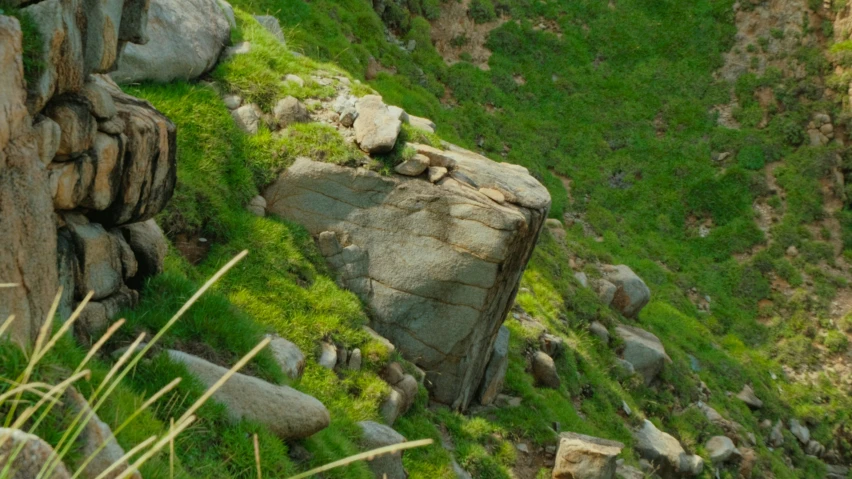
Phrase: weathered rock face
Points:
(665, 452)
(186, 39)
(438, 264)
(585, 457)
(721, 449)
(28, 256)
(78, 158)
(32, 454)
(495, 372)
(288, 413)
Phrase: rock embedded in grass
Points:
(288, 413)
(288, 356)
(288, 111)
(374, 436)
(31, 453)
(748, 396)
(644, 351)
(665, 452)
(544, 370)
(247, 118)
(632, 294)
(721, 449)
(327, 355)
(97, 435)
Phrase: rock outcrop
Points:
(28, 256)
(644, 351)
(186, 39)
(79, 159)
(665, 452)
(288, 413)
(376, 129)
(585, 457)
(437, 264)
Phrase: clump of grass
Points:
(836, 342)
(32, 45)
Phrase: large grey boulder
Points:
(631, 293)
(186, 38)
(665, 452)
(376, 129)
(438, 265)
(644, 351)
(495, 372)
(98, 435)
(32, 454)
(288, 413)
(374, 436)
(585, 457)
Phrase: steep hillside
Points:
(684, 311)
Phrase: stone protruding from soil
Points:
(665, 452)
(374, 436)
(644, 351)
(288, 413)
(585, 457)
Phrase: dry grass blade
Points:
(115, 465)
(156, 448)
(128, 421)
(6, 324)
(365, 456)
(257, 455)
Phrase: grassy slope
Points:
(615, 72)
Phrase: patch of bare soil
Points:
(455, 34)
(192, 247)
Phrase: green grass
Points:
(619, 103)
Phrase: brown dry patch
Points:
(454, 23)
(191, 247)
(528, 465)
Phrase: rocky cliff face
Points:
(80, 163)
(437, 263)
